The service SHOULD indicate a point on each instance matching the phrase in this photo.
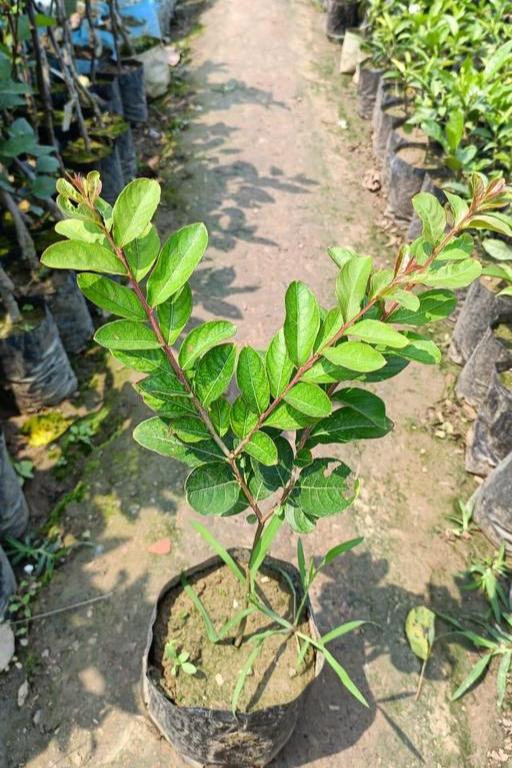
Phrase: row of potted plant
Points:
(244, 617)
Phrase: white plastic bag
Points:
(157, 75)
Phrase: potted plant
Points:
(223, 635)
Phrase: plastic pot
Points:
(35, 364)
(133, 94)
(389, 117)
(490, 354)
(70, 312)
(491, 439)
(107, 88)
(127, 155)
(13, 507)
(367, 86)
(481, 309)
(399, 135)
(341, 14)
(492, 510)
(406, 175)
(208, 737)
(7, 583)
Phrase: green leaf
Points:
(366, 403)
(476, 672)
(157, 435)
(498, 59)
(134, 209)
(212, 489)
(420, 349)
(214, 372)
(351, 284)
(278, 363)
(284, 416)
(301, 323)
(309, 399)
(394, 366)
(220, 411)
(264, 543)
(435, 304)
(346, 425)
(355, 355)
(454, 129)
(221, 552)
(144, 360)
(142, 253)
(405, 299)
(178, 258)
(458, 249)
(343, 629)
(329, 326)
(339, 549)
(163, 383)
(73, 254)
(377, 332)
(325, 372)
(211, 632)
(272, 478)
(453, 274)
(174, 314)
(188, 668)
(243, 420)
(111, 296)
(79, 229)
(190, 428)
(261, 447)
(297, 519)
(126, 334)
(340, 255)
(203, 338)
(301, 562)
(496, 222)
(432, 216)
(252, 380)
(344, 677)
(458, 206)
(420, 630)
(497, 249)
(242, 677)
(501, 680)
(319, 494)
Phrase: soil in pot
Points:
(274, 680)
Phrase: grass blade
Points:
(263, 545)
(476, 672)
(242, 677)
(344, 677)
(235, 621)
(211, 632)
(301, 560)
(340, 549)
(222, 553)
(343, 629)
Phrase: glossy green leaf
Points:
(321, 488)
(452, 274)
(201, 339)
(420, 349)
(134, 209)
(284, 416)
(435, 304)
(164, 384)
(497, 249)
(212, 489)
(214, 372)
(79, 229)
(142, 253)
(475, 674)
(377, 332)
(144, 360)
(297, 519)
(355, 355)
(347, 424)
(73, 254)
(243, 420)
(340, 255)
(220, 412)
(111, 296)
(351, 285)
(156, 434)
(366, 403)
(126, 334)
(459, 208)
(329, 326)
(180, 255)
(301, 323)
(174, 314)
(262, 448)
(252, 380)
(272, 478)
(278, 363)
(309, 399)
(190, 429)
(432, 216)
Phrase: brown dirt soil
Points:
(272, 156)
(274, 679)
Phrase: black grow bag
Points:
(490, 354)
(405, 180)
(70, 312)
(7, 583)
(492, 507)
(208, 737)
(13, 507)
(107, 88)
(35, 365)
(481, 309)
(367, 86)
(341, 14)
(127, 155)
(492, 431)
(133, 93)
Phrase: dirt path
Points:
(277, 178)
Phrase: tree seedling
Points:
(180, 660)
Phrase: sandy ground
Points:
(277, 177)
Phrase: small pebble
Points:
(219, 679)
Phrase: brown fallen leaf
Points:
(160, 547)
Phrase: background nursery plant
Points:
(256, 452)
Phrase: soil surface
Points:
(274, 678)
(273, 160)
